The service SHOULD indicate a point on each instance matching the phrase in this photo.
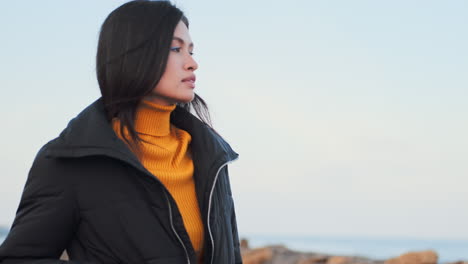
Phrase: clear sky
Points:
(350, 117)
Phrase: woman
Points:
(135, 177)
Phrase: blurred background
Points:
(350, 117)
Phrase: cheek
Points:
(172, 65)
(167, 79)
(172, 77)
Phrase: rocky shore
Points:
(282, 255)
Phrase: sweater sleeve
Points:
(46, 218)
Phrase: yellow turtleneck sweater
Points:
(165, 153)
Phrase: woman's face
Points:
(178, 81)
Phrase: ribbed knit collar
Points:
(153, 119)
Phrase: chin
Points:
(186, 99)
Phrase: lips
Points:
(190, 81)
(191, 78)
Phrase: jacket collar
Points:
(90, 134)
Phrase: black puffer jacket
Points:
(86, 192)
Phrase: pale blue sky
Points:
(350, 117)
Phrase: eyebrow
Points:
(182, 41)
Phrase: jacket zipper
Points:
(209, 208)
(173, 229)
(209, 211)
(147, 173)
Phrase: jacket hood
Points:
(89, 133)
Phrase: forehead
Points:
(181, 32)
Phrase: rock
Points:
(338, 260)
(279, 254)
(257, 256)
(244, 244)
(284, 255)
(313, 260)
(421, 257)
(351, 260)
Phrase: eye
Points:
(177, 49)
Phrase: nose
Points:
(191, 64)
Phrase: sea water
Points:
(374, 248)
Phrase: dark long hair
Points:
(132, 54)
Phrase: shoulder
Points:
(46, 179)
(46, 170)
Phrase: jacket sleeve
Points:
(46, 218)
(235, 236)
